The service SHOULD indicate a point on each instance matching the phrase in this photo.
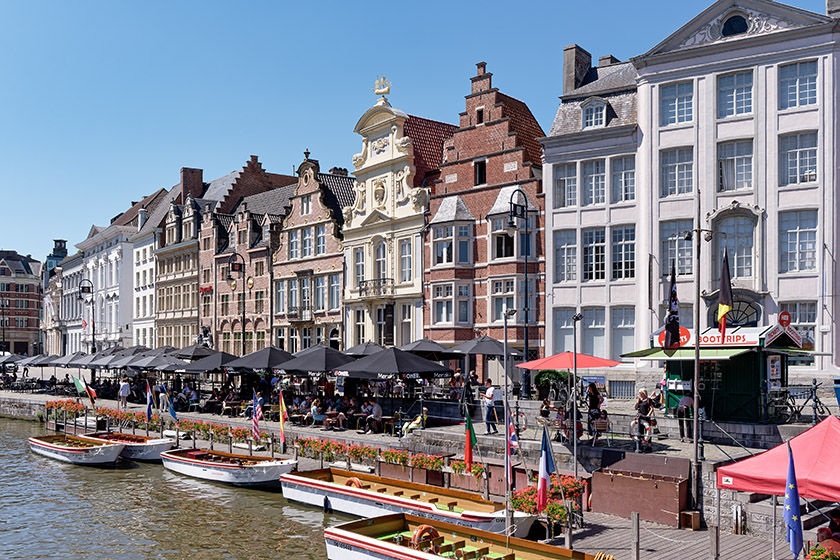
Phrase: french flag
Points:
(546, 470)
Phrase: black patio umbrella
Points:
(485, 346)
(10, 359)
(83, 360)
(159, 362)
(316, 360)
(194, 352)
(109, 361)
(44, 361)
(64, 360)
(390, 363)
(129, 361)
(365, 349)
(213, 362)
(28, 361)
(431, 350)
(260, 361)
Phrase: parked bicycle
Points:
(784, 409)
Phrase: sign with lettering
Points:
(784, 319)
(685, 336)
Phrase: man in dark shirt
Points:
(684, 410)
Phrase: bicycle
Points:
(784, 409)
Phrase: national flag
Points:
(471, 441)
(283, 417)
(546, 470)
(256, 416)
(724, 297)
(672, 318)
(512, 445)
(791, 512)
(150, 399)
(164, 399)
(84, 389)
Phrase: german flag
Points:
(724, 297)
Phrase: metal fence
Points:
(622, 389)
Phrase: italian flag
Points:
(546, 469)
(471, 441)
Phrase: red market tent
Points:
(566, 360)
(816, 454)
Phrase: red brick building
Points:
(20, 303)
(474, 267)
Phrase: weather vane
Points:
(383, 87)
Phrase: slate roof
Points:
(502, 204)
(129, 217)
(451, 209)
(427, 136)
(526, 127)
(605, 78)
(17, 263)
(218, 188)
(158, 215)
(339, 193)
(274, 201)
(622, 110)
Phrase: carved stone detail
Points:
(420, 197)
(380, 145)
(403, 144)
(380, 192)
(401, 186)
(759, 24)
(361, 197)
(359, 159)
(734, 206)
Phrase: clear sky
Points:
(102, 102)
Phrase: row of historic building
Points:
(440, 228)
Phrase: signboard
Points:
(784, 319)
(600, 382)
(685, 336)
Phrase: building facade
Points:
(732, 118)
(474, 265)
(20, 304)
(72, 306)
(383, 229)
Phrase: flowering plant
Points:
(395, 457)
(70, 405)
(361, 453)
(460, 467)
(820, 553)
(526, 499)
(430, 462)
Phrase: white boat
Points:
(408, 537)
(76, 449)
(231, 468)
(366, 495)
(137, 447)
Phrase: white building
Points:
(738, 103)
(71, 307)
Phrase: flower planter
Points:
(496, 474)
(466, 482)
(399, 472)
(426, 476)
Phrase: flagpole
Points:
(695, 464)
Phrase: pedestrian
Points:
(684, 410)
(125, 389)
(490, 408)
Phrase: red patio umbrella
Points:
(566, 360)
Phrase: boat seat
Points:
(382, 489)
(451, 505)
(399, 493)
(414, 497)
(433, 500)
(365, 487)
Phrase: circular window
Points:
(736, 25)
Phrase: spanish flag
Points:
(724, 297)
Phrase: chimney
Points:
(483, 79)
(142, 216)
(192, 182)
(832, 8)
(576, 63)
(607, 60)
(339, 171)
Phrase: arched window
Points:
(739, 242)
(380, 260)
(735, 25)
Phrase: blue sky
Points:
(104, 101)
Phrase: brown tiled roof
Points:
(129, 217)
(527, 128)
(279, 180)
(428, 137)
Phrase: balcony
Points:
(298, 314)
(380, 287)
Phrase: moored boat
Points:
(366, 495)
(137, 447)
(230, 468)
(408, 537)
(76, 449)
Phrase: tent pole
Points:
(773, 541)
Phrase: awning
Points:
(796, 352)
(687, 354)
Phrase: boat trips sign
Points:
(741, 336)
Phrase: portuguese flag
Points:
(471, 441)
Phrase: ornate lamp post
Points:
(86, 295)
(235, 266)
(522, 211)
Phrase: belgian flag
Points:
(724, 297)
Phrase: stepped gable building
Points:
(20, 303)
(234, 257)
(383, 228)
(308, 262)
(108, 253)
(736, 110)
(475, 266)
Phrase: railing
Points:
(299, 313)
(376, 288)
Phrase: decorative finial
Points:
(306, 154)
(383, 87)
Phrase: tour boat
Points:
(366, 495)
(408, 537)
(137, 447)
(240, 470)
(76, 449)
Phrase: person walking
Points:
(125, 390)
(684, 410)
(490, 408)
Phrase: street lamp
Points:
(86, 289)
(508, 513)
(3, 311)
(235, 266)
(575, 320)
(522, 211)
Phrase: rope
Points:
(673, 540)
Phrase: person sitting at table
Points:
(212, 404)
(336, 416)
(316, 413)
(455, 386)
(374, 419)
(418, 422)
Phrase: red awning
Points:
(565, 360)
(816, 454)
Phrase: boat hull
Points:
(105, 454)
(148, 450)
(363, 503)
(263, 473)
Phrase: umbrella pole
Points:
(773, 539)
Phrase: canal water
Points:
(50, 509)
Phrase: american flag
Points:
(256, 416)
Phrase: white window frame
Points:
(594, 245)
(803, 317)
(676, 103)
(306, 205)
(443, 245)
(335, 292)
(676, 167)
(565, 185)
(405, 260)
(675, 246)
(623, 173)
(320, 239)
(503, 297)
(293, 244)
(735, 94)
(798, 84)
(798, 158)
(306, 242)
(380, 261)
(798, 241)
(593, 115)
(442, 304)
(359, 265)
(463, 244)
(594, 179)
(735, 165)
(623, 252)
(565, 255)
(280, 296)
(740, 244)
(320, 292)
(499, 228)
(463, 296)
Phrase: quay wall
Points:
(22, 408)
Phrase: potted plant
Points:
(394, 464)
(464, 479)
(545, 378)
(820, 553)
(428, 469)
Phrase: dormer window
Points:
(594, 114)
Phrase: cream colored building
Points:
(383, 243)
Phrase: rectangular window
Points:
(594, 254)
(565, 256)
(442, 302)
(563, 329)
(259, 268)
(504, 294)
(280, 296)
(798, 158)
(623, 323)
(479, 116)
(307, 243)
(320, 292)
(443, 245)
(335, 291)
(594, 182)
(205, 276)
(464, 242)
(735, 165)
(405, 260)
(502, 242)
(675, 248)
(480, 172)
(205, 307)
(359, 264)
(623, 252)
(798, 241)
(677, 171)
(259, 302)
(320, 240)
(623, 178)
(593, 116)
(293, 296)
(224, 304)
(243, 237)
(565, 185)
(798, 84)
(260, 340)
(739, 245)
(293, 244)
(593, 332)
(306, 205)
(803, 317)
(464, 304)
(676, 103)
(735, 94)
(359, 326)
(206, 243)
(305, 293)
